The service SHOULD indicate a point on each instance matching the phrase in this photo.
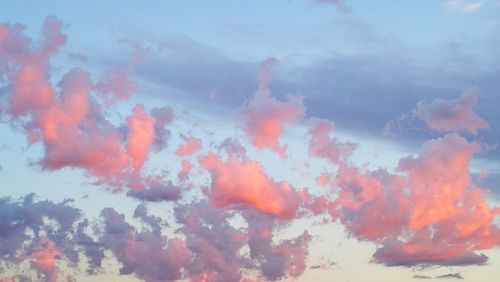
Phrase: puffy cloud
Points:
(185, 170)
(68, 118)
(190, 146)
(214, 243)
(140, 136)
(115, 85)
(264, 117)
(147, 254)
(285, 258)
(451, 115)
(157, 191)
(233, 148)
(162, 116)
(243, 183)
(432, 207)
(323, 146)
(39, 232)
(43, 259)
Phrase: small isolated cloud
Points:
(451, 115)
(463, 6)
(339, 4)
(421, 277)
(493, 23)
(451, 276)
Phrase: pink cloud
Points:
(186, 167)
(452, 115)
(323, 146)
(264, 117)
(68, 118)
(243, 183)
(43, 259)
(438, 215)
(140, 136)
(190, 146)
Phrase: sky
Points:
(283, 140)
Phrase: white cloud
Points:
(463, 6)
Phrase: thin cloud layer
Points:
(463, 6)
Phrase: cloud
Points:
(162, 116)
(263, 117)
(68, 118)
(451, 115)
(27, 235)
(463, 6)
(323, 146)
(190, 146)
(147, 254)
(157, 191)
(446, 228)
(140, 136)
(186, 167)
(243, 183)
(115, 85)
(43, 258)
(339, 4)
(417, 276)
(451, 276)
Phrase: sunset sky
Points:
(263, 140)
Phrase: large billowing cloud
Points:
(451, 116)
(430, 213)
(68, 118)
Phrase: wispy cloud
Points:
(462, 6)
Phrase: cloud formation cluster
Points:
(428, 211)
(69, 118)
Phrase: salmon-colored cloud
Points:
(43, 259)
(451, 115)
(189, 146)
(68, 118)
(140, 136)
(429, 213)
(186, 167)
(243, 183)
(264, 117)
